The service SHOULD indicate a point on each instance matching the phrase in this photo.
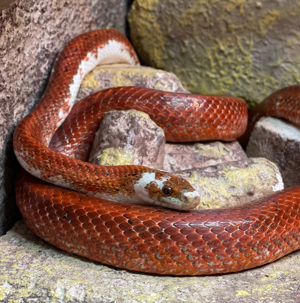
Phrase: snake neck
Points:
(32, 136)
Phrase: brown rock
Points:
(6, 3)
(234, 183)
(128, 137)
(187, 156)
(278, 141)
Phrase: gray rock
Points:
(278, 141)
(220, 185)
(131, 137)
(128, 138)
(186, 156)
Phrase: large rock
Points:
(245, 48)
(31, 34)
(114, 75)
(6, 3)
(234, 183)
(128, 138)
(186, 156)
(222, 185)
(278, 141)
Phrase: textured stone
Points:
(34, 271)
(31, 34)
(245, 48)
(278, 141)
(234, 183)
(186, 156)
(106, 76)
(128, 138)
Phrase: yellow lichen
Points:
(233, 182)
(140, 29)
(136, 114)
(126, 75)
(215, 55)
(90, 81)
(212, 151)
(116, 156)
(242, 293)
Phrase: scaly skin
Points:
(161, 241)
(32, 136)
(140, 238)
(184, 118)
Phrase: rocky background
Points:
(244, 48)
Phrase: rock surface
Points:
(234, 183)
(244, 48)
(34, 271)
(186, 156)
(106, 76)
(121, 75)
(31, 34)
(278, 141)
(128, 138)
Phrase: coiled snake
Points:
(140, 237)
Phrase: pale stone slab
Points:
(278, 141)
(115, 75)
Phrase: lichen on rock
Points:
(128, 138)
(243, 48)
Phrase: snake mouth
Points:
(187, 201)
(191, 200)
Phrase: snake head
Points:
(167, 190)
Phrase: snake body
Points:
(137, 237)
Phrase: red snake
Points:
(138, 237)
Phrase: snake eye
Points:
(167, 191)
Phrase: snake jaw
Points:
(192, 199)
